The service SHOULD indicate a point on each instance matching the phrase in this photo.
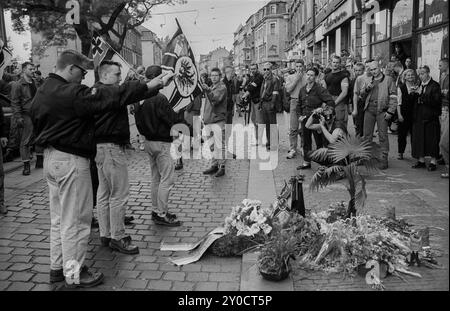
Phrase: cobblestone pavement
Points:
(201, 202)
(419, 196)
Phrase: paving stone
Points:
(227, 286)
(4, 285)
(20, 286)
(146, 266)
(128, 274)
(151, 275)
(183, 286)
(135, 284)
(41, 278)
(174, 276)
(4, 275)
(197, 276)
(43, 287)
(206, 286)
(21, 276)
(20, 267)
(159, 285)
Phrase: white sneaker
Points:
(291, 154)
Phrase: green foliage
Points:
(48, 17)
(347, 154)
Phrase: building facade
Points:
(151, 48)
(357, 28)
(45, 61)
(219, 58)
(2, 25)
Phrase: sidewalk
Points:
(202, 203)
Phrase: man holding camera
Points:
(380, 106)
(311, 97)
(294, 82)
(63, 117)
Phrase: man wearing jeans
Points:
(337, 83)
(154, 120)
(294, 83)
(22, 93)
(214, 118)
(63, 117)
(380, 106)
(112, 134)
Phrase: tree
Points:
(49, 18)
(346, 155)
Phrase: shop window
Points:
(380, 29)
(402, 18)
(432, 12)
(433, 45)
(380, 52)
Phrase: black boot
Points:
(39, 161)
(26, 168)
(179, 165)
(220, 172)
(211, 170)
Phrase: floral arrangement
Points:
(248, 219)
(248, 225)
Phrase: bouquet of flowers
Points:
(248, 225)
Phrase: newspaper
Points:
(186, 247)
(196, 249)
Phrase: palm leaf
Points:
(350, 147)
(325, 176)
(320, 155)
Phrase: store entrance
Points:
(401, 50)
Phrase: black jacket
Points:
(155, 118)
(254, 87)
(63, 113)
(113, 126)
(431, 100)
(308, 101)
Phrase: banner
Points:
(179, 59)
(5, 58)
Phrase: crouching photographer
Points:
(311, 97)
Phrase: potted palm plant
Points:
(346, 156)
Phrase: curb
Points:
(261, 186)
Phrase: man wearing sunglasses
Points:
(270, 92)
(63, 113)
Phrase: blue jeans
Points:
(162, 170)
(113, 190)
(70, 195)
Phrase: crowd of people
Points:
(81, 135)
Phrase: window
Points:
(59, 50)
(273, 28)
(402, 18)
(273, 9)
(380, 29)
(432, 12)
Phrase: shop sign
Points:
(338, 17)
(318, 33)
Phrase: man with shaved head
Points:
(270, 92)
(380, 105)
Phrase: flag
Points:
(5, 58)
(179, 59)
(101, 51)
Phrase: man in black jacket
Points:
(252, 91)
(63, 113)
(270, 94)
(112, 134)
(154, 120)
